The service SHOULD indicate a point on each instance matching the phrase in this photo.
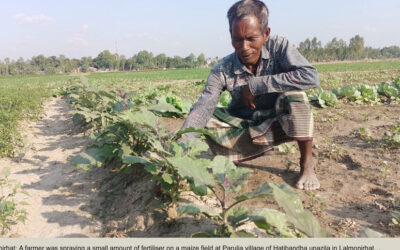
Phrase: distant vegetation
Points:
(105, 61)
(312, 49)
(338, 50)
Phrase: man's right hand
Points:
(247, 98)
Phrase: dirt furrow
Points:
(59, 195)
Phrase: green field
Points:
(123, 78)
(21, 97)
(358, 66)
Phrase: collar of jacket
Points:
(239, 68)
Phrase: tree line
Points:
(312, 49)
(338, 50)
(105, 60)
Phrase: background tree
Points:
(104, 60)
(201, 60)
(132, 62)
(161, 61)
(190, 61)
(122, 63)
(61, 59)
(356, 47)
(145, 59)
(85, 63)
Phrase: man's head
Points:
(245, 8)
(248, 25)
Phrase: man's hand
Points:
(247, 98)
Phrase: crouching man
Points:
(265, 76)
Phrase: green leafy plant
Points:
(388, 89)
(324, 98)
(225, 99)
(349, 92)
(369, 94)
(171, 105)
(391, 139)
(363, 133)
(333, 151)
(286, 148)
(136, 138)
(223, 179)
(96, 105)
(10, 211)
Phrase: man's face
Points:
(248, 39)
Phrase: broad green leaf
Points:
(235, 179)
(194, 209)
(194, 169)
(93, 157)
(193, 146)
(167, 178)
(186, 105)
(237, 214)
(220, 166)
(201, 190)
(165, 109)
(158, 146)
(176, 149)
(143, 117)
(302, 219)
(126, 149)
(151, 169)
(266, 218)
(132, 159)
(242, 234)
(264, 190)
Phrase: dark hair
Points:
(245, 8)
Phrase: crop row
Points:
(128, 134)
(361, 94)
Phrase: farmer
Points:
(265, 77)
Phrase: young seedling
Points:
(363, 134)
(10, 211)
(286, 148)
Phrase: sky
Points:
(179, 27)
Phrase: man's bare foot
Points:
(308, 180)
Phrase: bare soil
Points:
(59, 195)
(359, 181)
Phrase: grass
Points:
(130, 77)
(21, 99)
(358, 66)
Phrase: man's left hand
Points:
(247, 98)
